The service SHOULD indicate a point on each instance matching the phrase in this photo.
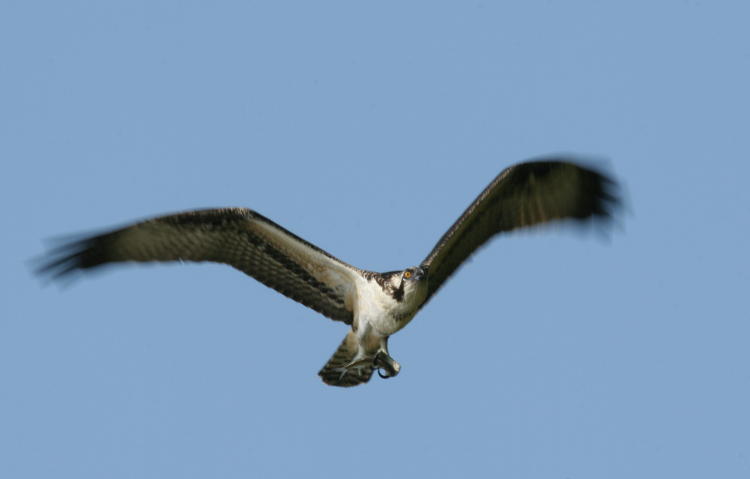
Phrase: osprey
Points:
(375, 305)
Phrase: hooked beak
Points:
(420, 274)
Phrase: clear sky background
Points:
(367, 128)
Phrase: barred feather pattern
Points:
(239, 237)
(335, 372)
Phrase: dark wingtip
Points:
(607, 196)
(603, 202)
(68, 255)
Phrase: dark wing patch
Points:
(521, 196)
(238, 237)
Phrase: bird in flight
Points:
(375, 305)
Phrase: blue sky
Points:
(366, 128)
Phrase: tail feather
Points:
(336, 373)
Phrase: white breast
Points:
(380, 311)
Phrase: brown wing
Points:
(238, 237)
(523, 195)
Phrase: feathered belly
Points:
(390, 322)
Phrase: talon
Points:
(384, 362)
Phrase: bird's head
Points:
(409, 285)
(414, 274)
(413, 287)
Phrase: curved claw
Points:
(384, 376)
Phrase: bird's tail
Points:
(340, 371)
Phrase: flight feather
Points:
(239, 237)
(521, 196)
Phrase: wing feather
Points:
(521, 196)
(239, 237)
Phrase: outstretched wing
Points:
(523, 195)
(238, 237)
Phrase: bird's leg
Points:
(386, 363)
(383, 361)
(387, 366)
(356, 366)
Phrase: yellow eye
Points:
(407, 274)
